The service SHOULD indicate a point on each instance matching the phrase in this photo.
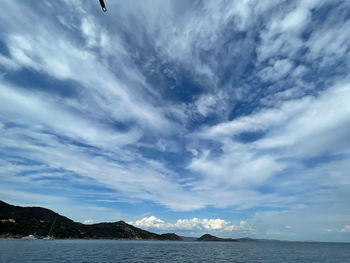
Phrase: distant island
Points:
(208, 237)
(19, 222)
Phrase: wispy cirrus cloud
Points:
(189, 106)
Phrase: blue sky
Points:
(227, 117)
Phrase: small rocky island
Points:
(208, 237)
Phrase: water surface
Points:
(170, 251)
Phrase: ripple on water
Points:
(88, 251)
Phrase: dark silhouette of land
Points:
(208, 237)
(17, 222)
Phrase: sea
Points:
(170, 251)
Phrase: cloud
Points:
(291, 112)
(328, 43)
(205, 106)
(290, 133)
(66, 60)
(283, 32)
(279, 70)
(345, 229)
(88, 221)
(41, 110)
(151, 222)
(194, 224)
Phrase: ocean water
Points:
(172, 251)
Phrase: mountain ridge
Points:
(17, 222)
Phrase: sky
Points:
(222, 117)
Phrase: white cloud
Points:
(52, 128)
(276, 72)
(270, 172)
(45, 112)
(312, 121)
(297, 19)
(329, 44)
(151, 222)
(88, 221)
(309, 115)
(54, 53)
(90, 31)
(345, 229)
(297, 129)
(205, 104)
(204, 224)
(282, 36)
(194, 224)
(236, 167)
